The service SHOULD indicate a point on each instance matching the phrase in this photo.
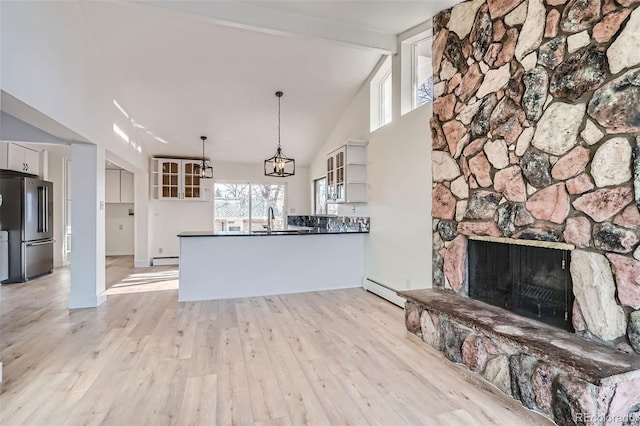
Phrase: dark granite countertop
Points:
(266, 234)
(591, 361)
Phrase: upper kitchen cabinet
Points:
(177, 179)
(347, 173)
(19, 158)
(118, 186)
(126, 186)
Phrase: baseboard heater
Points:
(165, 260)
(384, 291)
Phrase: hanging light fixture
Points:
(279, 165)
(206, 172)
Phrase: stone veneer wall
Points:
(536, 135)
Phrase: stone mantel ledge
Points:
(530, 243)
(593, 362)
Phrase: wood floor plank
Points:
(326, 358)
(302, 403)
(369, 355)
(204, 359)
(199, 403)
(234, 399)
(267, 400)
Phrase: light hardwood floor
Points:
(326, 358)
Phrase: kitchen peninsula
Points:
(224, 265)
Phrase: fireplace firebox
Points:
(534, 282)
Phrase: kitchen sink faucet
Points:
(270, 216)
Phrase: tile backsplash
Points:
(345, 223)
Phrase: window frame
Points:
(408, 65)
(382, 117)
(414, 71)
(315, 195)
(376, 94)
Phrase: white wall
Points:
(169, 218)
(398, 248)
(398, 251)
(119, 229)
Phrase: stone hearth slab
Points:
(595, 363)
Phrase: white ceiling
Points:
(185, 69)
(390, 17)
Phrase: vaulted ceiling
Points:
(191, 68)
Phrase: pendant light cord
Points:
(204, 164)
(279, 97)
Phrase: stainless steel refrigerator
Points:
(26, 213)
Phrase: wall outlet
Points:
(292, 210)
(159, 250)
(121, 227)
(353, 209)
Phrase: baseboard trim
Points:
(141, 263)
(87, 301)
(383, 291)
(164, 261)
(118, 253)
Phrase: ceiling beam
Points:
(261, 19)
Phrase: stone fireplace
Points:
(536, 137)
(524, 278)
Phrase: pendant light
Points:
(279, 165)
(206, 172)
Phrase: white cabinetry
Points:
(347, 173)
(126, 186)
(118, 186)
(20, 158)
(112, 186)
(177, 179)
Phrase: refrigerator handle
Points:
(46, 209)
(41, 243)
(41, 196)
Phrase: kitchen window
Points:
(320, 196)
(243, 206)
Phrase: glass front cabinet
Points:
(178, 179)
(347, 173)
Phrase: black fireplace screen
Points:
(533, 282)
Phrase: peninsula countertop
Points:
(222, 268)
(317, 231)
